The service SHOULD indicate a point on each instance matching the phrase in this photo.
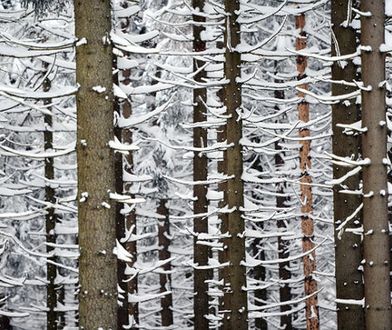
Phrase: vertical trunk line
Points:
(374, 146)
(50, 218)
(164, 254)
(234, 275)
(283, 245)
(307, 225)
(96, 167)
(348, 252)
(128, 313)
(200, 172)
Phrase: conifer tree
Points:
(96, 174)
(347, 207)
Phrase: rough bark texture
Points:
(200, 171)
(50, 219)
(348, 251)
(235, 299)
(164, 253)
(96, 175)
(309, 261)
(374, 142)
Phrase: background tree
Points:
(200, 170)
(307, 224)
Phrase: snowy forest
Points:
(195, 164)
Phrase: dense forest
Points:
(195, 164)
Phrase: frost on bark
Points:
(234, 275)
(348, 251)
(374, 147)
(164, 254)
(96, 175)
(200, 171)
(307, 225)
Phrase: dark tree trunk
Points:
(50, 219)
(259, 275)
(348, 252)
(309, 261)
(123, 108)
(283, 245)
(374, 143)
(200, 171)
(164, 253)
(96, 174)
(234, 275)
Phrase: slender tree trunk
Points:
(234, 275)
(348, 252)
(259, 275)
(164, 253)
(96, 174)
(259, 271)
(127, 312)
(128, 167)
(122, 313)
(374, 143)
(50, 219)
(283, 245)
(309, 261)
(200, 171)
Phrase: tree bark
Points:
(309, 261)
(374, 147)
(50, 219)
(200, 172)
(164, 253)
(96, 174)
(348, 252)
(234, 275)
(128, 312)
(283, 245)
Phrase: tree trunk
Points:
(309, 261)
(96, 174)
(374, 144)
(127, 312)
(348, 252)
(200, 171)
(164, 253)
(259, 275)
(234, 275)
(283, 245)
(50, 219)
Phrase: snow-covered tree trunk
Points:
(283, 244)
(50, 218)
(309, 260)
(164, 254)
(200, 171)
(96, 175)
(374, 141)
(347, 207)
(234, 274)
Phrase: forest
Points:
(195, 164)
